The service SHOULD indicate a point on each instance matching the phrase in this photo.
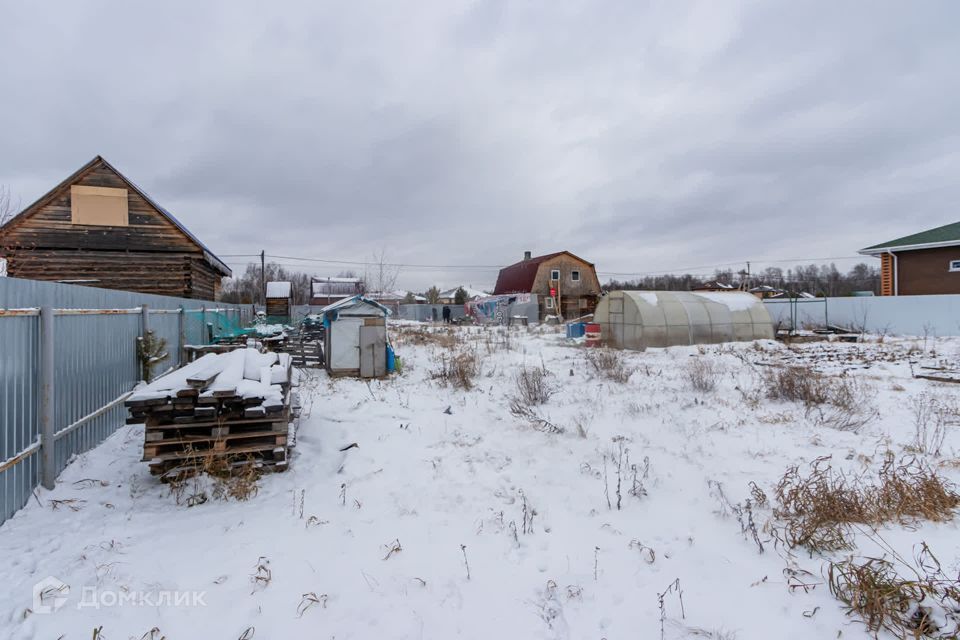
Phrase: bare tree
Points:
(8, 208)
(381, 275)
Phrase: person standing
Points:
(446, 314)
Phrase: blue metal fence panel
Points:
(19, 357)
(95, 363)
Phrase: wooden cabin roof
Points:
(208, 255)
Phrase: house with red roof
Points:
(565, 284)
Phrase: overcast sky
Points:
(643, 136)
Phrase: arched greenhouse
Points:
(641, 319)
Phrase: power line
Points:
(697, 270)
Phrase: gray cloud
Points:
(643, 136)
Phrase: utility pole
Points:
(263, 278)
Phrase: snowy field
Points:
(455, 517)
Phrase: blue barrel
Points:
(576, 329)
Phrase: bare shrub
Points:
(925, 604)
(932, 415)
(533, 386)
(458, 370)
(841, 402)
(204, 476)
(796, 384)
(702, 374)
(443, 338)
(609, 364)
(818, 509)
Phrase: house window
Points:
(575, 276)
(555, 274)
(955, 265)
(549, 303)
(101, 206)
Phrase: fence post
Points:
(48, 458)
(203, 323)
(144, 320)
(181, 341)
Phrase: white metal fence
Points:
(68, 358)
(895, 315)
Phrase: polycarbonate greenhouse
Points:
(641, 319)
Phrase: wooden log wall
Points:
(150, 255)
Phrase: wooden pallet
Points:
(183, 448)
(170, 468)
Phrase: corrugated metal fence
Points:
(68, 355)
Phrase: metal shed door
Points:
(373, 352)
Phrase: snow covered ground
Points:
(453, 518)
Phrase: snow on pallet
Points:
(235, 404)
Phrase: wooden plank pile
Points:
(235, 405)
(305, 353)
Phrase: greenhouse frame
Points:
(641, 319)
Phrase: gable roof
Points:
(519, 277)
(208, 255)
(946, 236)
(278, 289)
(354, 301)
(472, 294)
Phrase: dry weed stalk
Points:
(817, 509)
(841, 402)
(392, 548)
(226, 478)
(932, 415)
(310, 599)
(262, 574)
(458, 370)
(609, 364)
(926, 604)
(702, 374)
(533, 386)
(463, 549)
(537, 421)
(673, 587)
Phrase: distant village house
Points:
(97, 228)
(324, 291)
(565, 284)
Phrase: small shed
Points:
(279, 300)
(641, 319)
(355, 343)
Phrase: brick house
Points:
(923, 263)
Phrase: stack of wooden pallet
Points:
(236, 406)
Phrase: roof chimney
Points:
(526, 255)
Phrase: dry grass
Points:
(533, 386)
(445, 338)
(702, 374)
(609, 363)
(539, 422)
(458, 370)
(926, 604)
(206, 476)
(841, 402)
(818, 509)
(932, 415)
